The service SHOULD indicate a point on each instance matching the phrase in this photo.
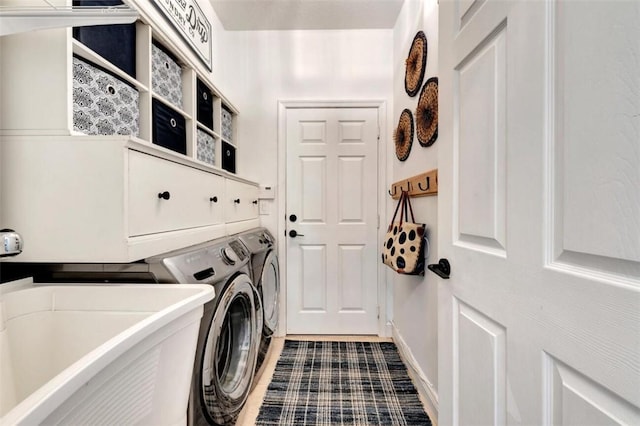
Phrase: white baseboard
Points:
(387, 330)
(424, 387)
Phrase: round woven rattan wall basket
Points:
(415, 64)
(403, 136)
(427, 113)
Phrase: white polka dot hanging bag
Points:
(403, 247)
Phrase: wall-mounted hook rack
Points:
(418, 186)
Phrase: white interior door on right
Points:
(539, 212)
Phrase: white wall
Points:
(272, 66)
(415, 298)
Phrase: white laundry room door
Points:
(539, 213)
(332, 220)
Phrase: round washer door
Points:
(269, 288)
(230, 353)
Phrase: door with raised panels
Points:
(332, 219)
(539, 213)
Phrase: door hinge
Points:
(378, 313)
(378, 221)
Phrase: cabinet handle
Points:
(237, 201)
(164, 195)
(213, 199)
(255, 201)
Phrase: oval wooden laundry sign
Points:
(192, 24)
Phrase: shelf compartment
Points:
(115, 43)
(84, 52)
(228, 157)
(204, 100)
(169, 128)
(227, 123)
(103, 104)
(166, 75)
(206, 147)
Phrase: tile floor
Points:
(251, 409)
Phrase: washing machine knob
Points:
(229, 256)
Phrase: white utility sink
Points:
(97, 353)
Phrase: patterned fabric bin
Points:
(227, 124)
(206, 148)
(166, 76)
(102, 103)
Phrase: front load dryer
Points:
(227, 342)
(266, 278)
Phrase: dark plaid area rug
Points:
(341, 383)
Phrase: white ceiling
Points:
(248, 15)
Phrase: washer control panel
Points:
(207, 263)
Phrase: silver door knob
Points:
(10, 243)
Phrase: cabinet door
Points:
(166, 196)
(241, 201)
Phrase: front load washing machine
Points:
(227, 342)
(266, 278)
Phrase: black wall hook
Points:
(428, 185)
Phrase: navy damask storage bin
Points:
(166, 75)
(169, 128)
(228, 157)
(205, 105)
(115, 43)
(102, 103)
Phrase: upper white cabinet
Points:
(112, 199)
(114, 155)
